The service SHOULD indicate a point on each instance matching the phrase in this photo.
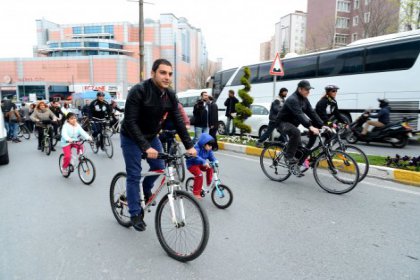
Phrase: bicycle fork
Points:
(181, 209)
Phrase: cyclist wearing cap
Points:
(382, 115)
(295, 111)
(99, 109)
(198, 164)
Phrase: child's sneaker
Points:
(198, 196)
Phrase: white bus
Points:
(381, 67)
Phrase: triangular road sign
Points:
(276, 68)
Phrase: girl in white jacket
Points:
(69, 135)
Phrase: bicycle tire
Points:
(118, 199)
(272, 159)
(47, 145)
(180, 162)
(195, 217)
(60, 163)
(36, 132)
(86, 167)
(354, 151)
(55, 140)
(189, 185)
(24, 132)
(223, 193)
(338, 164)
(94, 146)
(108, 146)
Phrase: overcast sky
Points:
(233, 29)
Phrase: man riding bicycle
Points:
(99, 109)
(148, 105)
(294, 112)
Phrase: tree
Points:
(243, 110)
(197, 78)
(379, 17)
(410, 14)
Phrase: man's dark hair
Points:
(283, 89)
(159, 62)
(201, 94)
(231, 91)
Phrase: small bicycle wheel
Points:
(185, 235)
(272, 161)
(47, 145)
(189, 184)
(222, 196)
(340, 166)
(357, 154)
(60, 164)
(108, 147)
(87, 171)
(118, 199)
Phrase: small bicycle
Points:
(181, 223)
(85, 167)
(221, 195)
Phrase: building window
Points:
(77, 30)
(367, 2)
(93, 29)
(342, 22)
(341, 39)
(356, 4)
(367, 17)
(355, 20)
(71, 44)
(343, 6)
(354, 37)
(109, 29)
(53, 45)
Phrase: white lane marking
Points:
(364, 181)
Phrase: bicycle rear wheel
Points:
(183, 238)
(222, 196)
(108, 147)
(60, 164)
(118, 199)
(340, 166)
(24, 132)
(272, 161)
(357, 154)
(87, 171)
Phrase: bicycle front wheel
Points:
(87, 171)
(185, 235)
(222, 196)
(108, 147)
(94, 145)
(357, 154)
(118, 199)
(47, 145)
(272, 161)
(340, 166)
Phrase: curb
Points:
(380, 172)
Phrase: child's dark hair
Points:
(69, 115)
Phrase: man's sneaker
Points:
(138, 223)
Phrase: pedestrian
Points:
(230, 104)
(148, 105)
(14, 119)
(201, 114)
(274, 110)
(213, 121)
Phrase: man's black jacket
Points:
(296, 110)
(145, 109)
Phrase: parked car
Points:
(4, 152)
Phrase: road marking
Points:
(364, 181)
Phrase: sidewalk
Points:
(381, 172)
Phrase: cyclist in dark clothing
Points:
(294, 112)
(99, 109)
(148, 105)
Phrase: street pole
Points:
(141, 40)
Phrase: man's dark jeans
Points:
(270, 129)
(132, 157)
(294, 138)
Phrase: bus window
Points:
(220, 80)
(264, 73)
(254, 75)
(392, 57)
(300, 68)
(339, 63)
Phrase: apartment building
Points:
(104, 55)
(290, 33)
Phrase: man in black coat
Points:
(201, 114)
(213, 121)
(230, 112)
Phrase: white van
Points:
(189, 98)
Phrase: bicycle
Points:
(221, 195)
(174, 149)
(181, 224)
(46, 142)
(102, 139)
(323, 160)
(85, 167)
(116, 127)
(23, 131)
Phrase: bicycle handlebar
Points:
(166, 156)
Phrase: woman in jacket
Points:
(42, 113)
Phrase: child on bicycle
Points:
(69, 134)
(198, 164)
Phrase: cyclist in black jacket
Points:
(99, 109)
(148, 105)
(294, 112)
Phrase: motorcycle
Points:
(396, 133)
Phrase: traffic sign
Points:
(277, 68)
